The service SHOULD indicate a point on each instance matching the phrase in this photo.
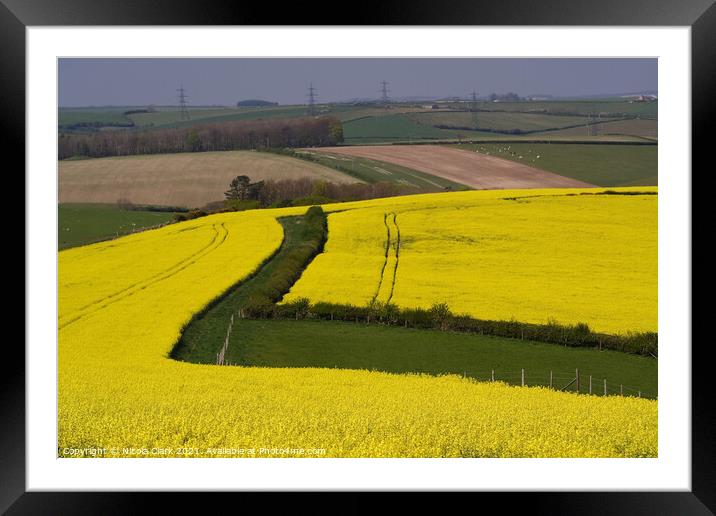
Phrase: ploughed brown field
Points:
(189, 179)
(462, 166)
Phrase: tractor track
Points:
(394, 243)
(220, 236)
(385, 260)
(397, 257)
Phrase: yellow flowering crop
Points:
(122, 307)
(530, 255)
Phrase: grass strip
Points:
(304, 237)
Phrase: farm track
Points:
(219, 237)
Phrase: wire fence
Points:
(221, 355)
(558, 380)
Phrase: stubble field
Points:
(187, 179)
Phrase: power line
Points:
(593, 127)
(311, 100)
(473, 109)
(183, 112)
(384, 99)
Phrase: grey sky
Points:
(132, 81)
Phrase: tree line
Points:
(304, 190)
(245, 195)
(235, 135)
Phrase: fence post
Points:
(605, 386)
(590, 384)
(493, 375)
(639, 395)
(577, 373)
(621, 390)
(523, 377)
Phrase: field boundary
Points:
(117, 235)
(223, 295)
(515, 132)
(440, 317)
(575, 380)
(524, 140)
(281, 270)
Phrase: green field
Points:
(347, 113)
(92, 117)
(606, 107)
(168, 116)
(171, 115)
(644, 128)
(498, 121)
(399, 127)
(372, 171)
(281, 343)
(599, 164)
(171, 118)
(492, 125)
(83, 223)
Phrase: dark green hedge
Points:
(440, 317)
(291, 266)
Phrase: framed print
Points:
(434, 251)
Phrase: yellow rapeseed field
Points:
(122, 306)
(530, 255)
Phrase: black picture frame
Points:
(16, 15)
